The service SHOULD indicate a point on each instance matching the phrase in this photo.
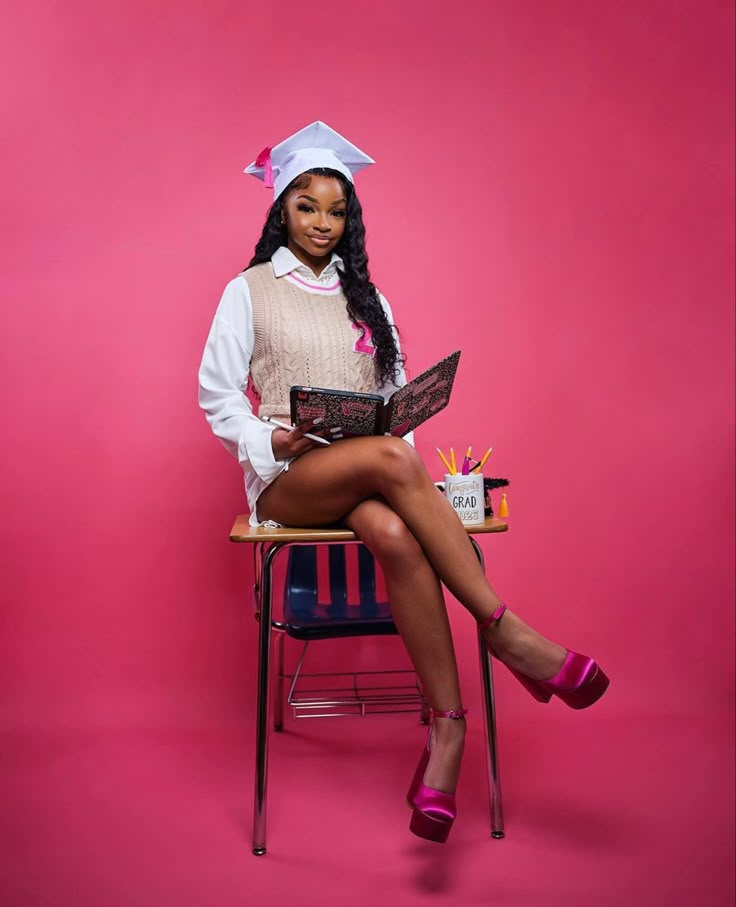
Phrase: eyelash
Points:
(308, 209)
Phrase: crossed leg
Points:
(323, 486)
(380, 487)
(419, 612)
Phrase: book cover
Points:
(349, 414)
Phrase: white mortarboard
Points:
(314, 146)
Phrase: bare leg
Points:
(324, 485)
(418, 610)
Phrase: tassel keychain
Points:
(488, 486)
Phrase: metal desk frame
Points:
(268, 545)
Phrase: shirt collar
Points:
(284, 262)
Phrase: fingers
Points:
(292, 442)
(307, 431)
(310, 426)
(287, 444)
(300, 445)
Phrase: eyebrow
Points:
(316, 201)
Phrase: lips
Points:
(320, 240)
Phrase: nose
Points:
(323, 224)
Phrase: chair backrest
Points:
(335, 590)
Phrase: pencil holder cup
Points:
(466, 494)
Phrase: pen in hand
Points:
(292, 427)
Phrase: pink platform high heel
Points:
(433, 811)
(579, 682)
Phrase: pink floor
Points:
(600, 809)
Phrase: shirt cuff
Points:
(255, 449)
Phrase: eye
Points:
(339, 213)
(302, 207)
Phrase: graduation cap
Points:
(314, 146)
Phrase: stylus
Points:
(291, 428)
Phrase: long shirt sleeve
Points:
(223, 376)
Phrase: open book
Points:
(347, 414)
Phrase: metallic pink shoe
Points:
(579, 682)
(433, 811)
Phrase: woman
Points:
(306, 312)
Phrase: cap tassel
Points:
(264, 160)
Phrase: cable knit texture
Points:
(301, 338)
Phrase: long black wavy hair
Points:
(362, 296)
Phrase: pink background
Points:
(554, 195)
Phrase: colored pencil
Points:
(444, 460)
(483, 459)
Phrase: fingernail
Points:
(336, 430)
(317, 421)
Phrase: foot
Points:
(448, 740)
(521, 648)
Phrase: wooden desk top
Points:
(242, 531)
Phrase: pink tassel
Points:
(264, 160)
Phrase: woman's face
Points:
(315, 219)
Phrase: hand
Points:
(288, 444)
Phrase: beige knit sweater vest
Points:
(301, 338)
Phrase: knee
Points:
(398, 462)
(390, 540)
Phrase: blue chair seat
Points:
(331, 592)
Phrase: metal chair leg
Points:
(278, 695)
(264, 651)
(489, 720)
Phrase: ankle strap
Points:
(453, 713)
(494, 617)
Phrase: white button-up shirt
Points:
(223, 374)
